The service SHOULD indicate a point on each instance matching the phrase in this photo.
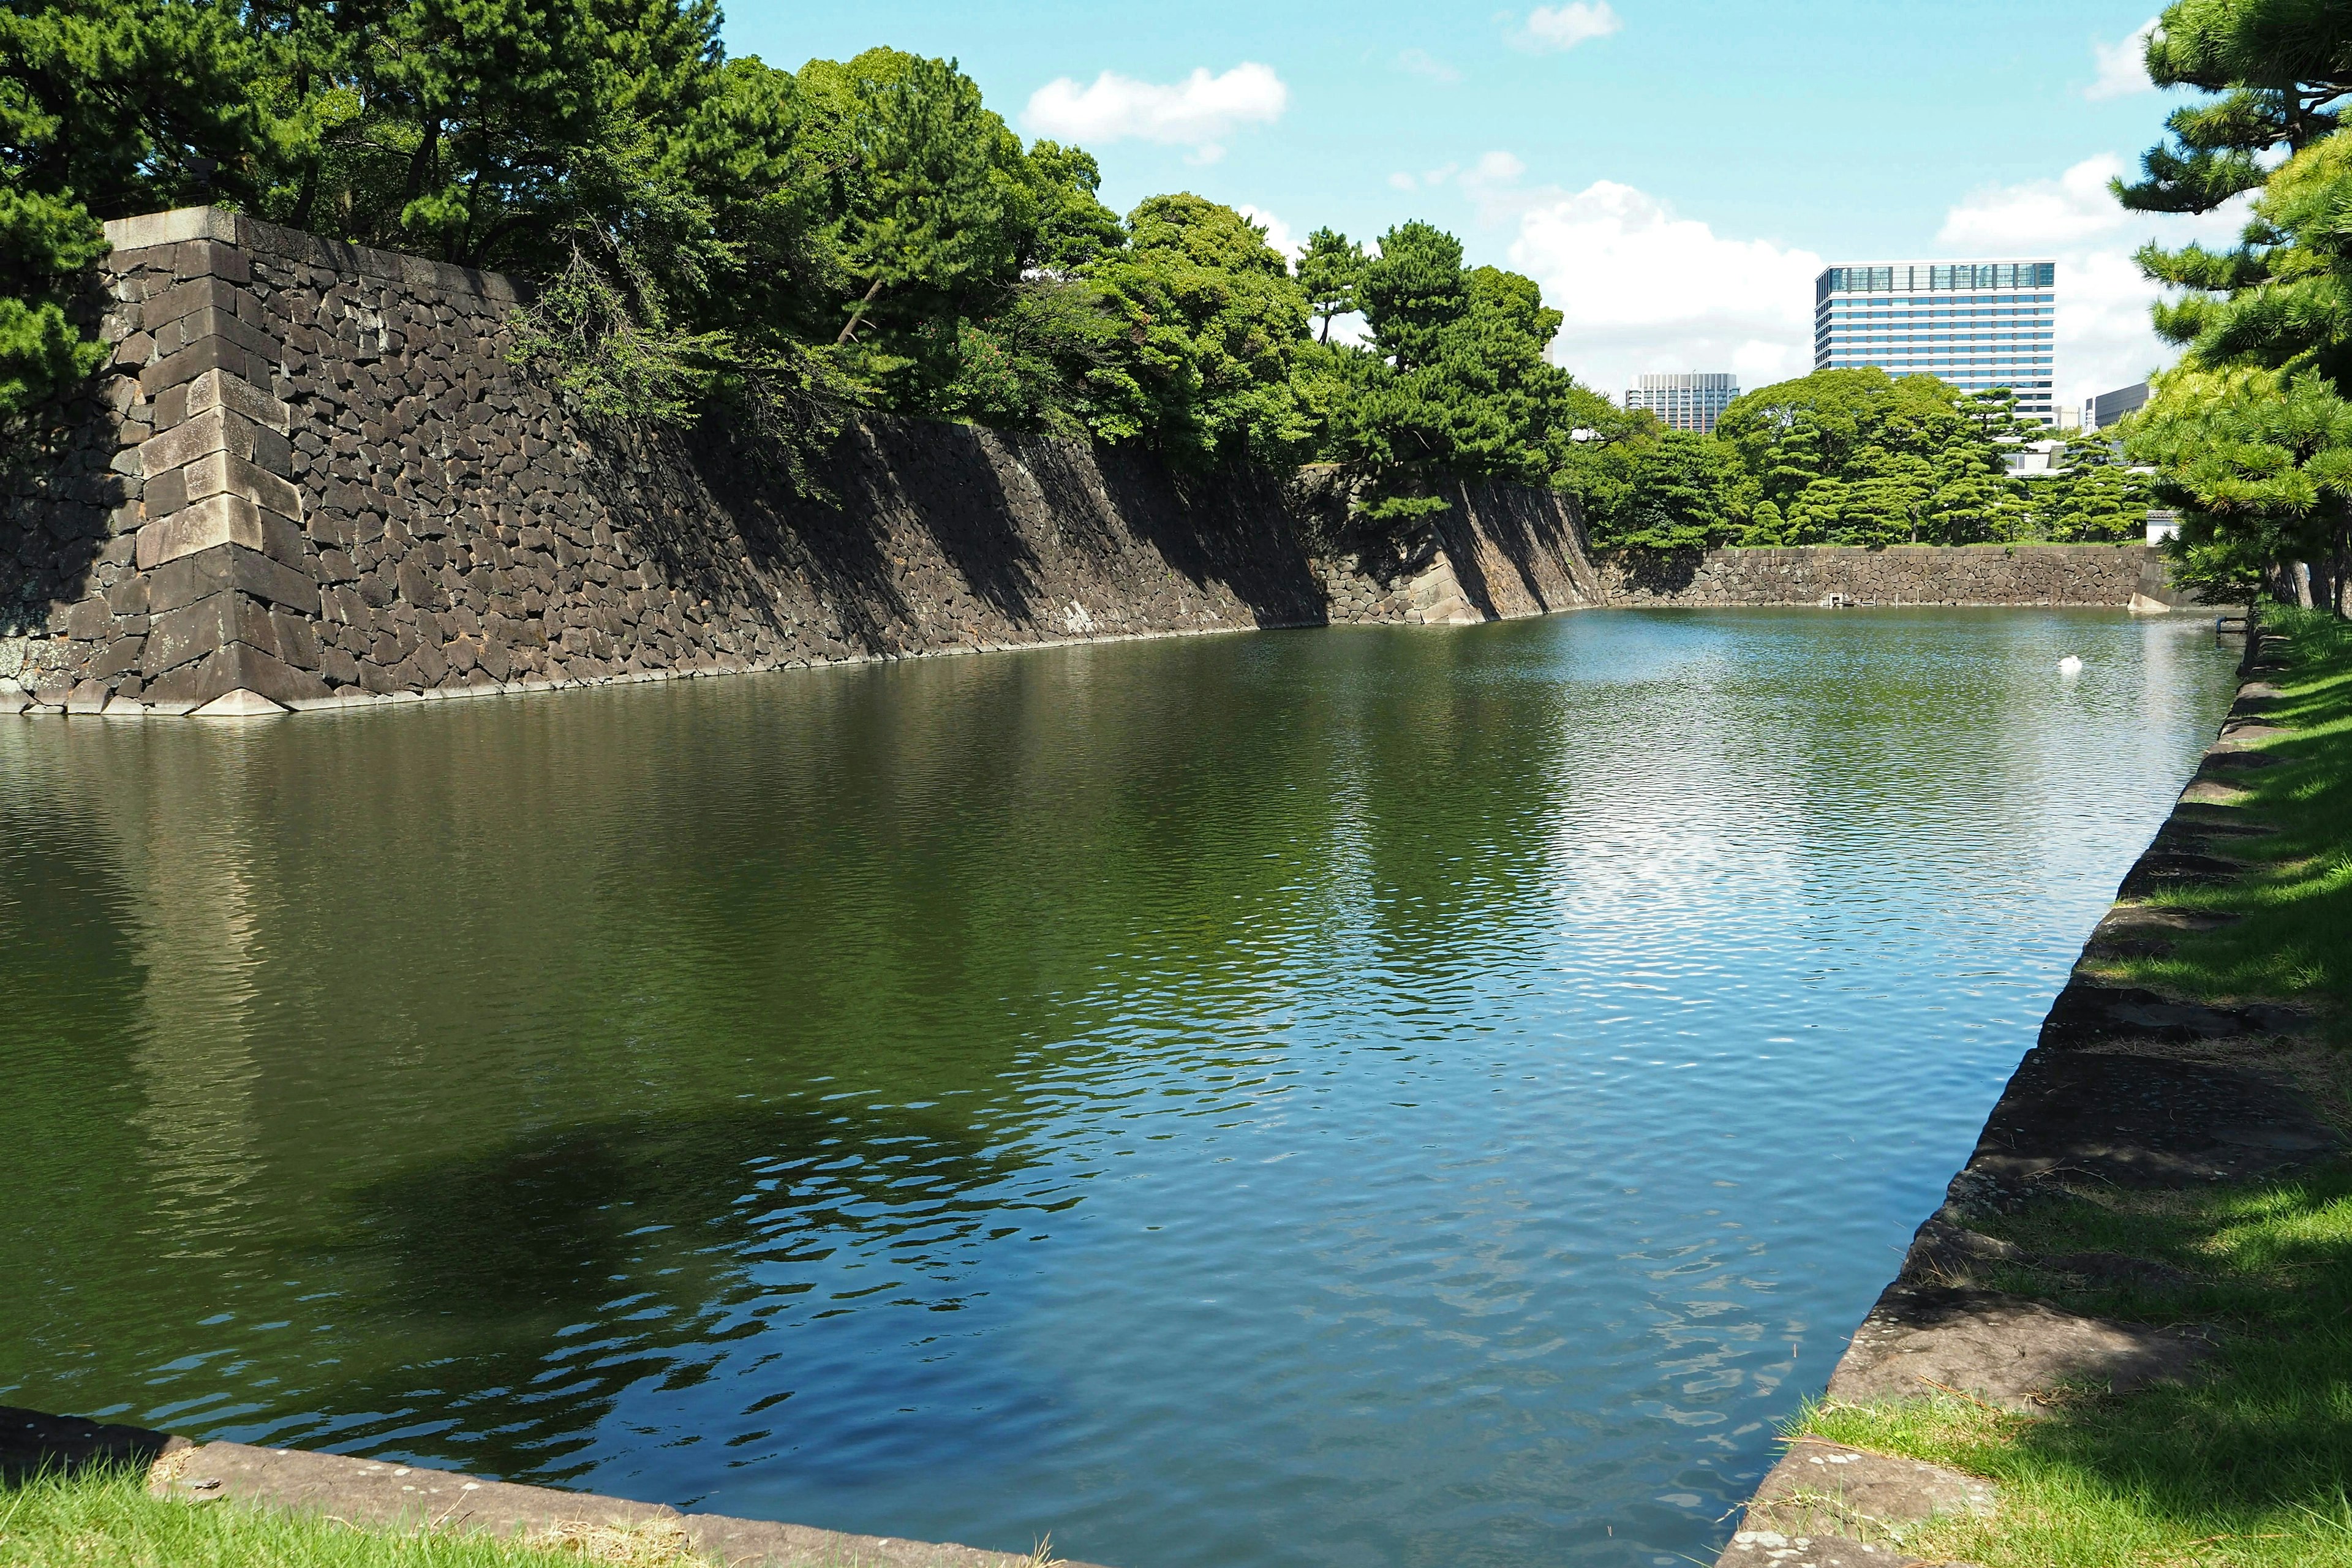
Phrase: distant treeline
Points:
(714, 238)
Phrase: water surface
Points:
(1367, 1096)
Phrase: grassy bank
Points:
(2251, 1464)
(2292, 940)
(105, 1519)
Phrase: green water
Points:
(1415, 1095)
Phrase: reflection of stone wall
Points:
(1903, 575)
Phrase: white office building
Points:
(1691, 401)
(1976, 324)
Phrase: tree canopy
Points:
(2248, 433)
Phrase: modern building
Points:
(1978, 324)
(1690, 401)
(2104, 410)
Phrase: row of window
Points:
(1926, 301)
(1940, 277)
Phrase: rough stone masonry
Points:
(311, 476)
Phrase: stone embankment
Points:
(1900, 574)
(310, 477)
(2126, 1089)
(375, 1494)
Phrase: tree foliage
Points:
(107, 106)
(2248, 433)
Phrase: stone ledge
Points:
(380, 1494)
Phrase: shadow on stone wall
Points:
(60, 499)
(1660, 572)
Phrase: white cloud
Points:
(1401, 181)
(1645, 289)
(2122, 67)
(1278, 233)
(1421, 63)
(2041, 213)
(1199, 113)
(2103, 333)
(1565, 26)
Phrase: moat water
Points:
(1357, 1097)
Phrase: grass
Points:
(2250, 1465)
(104, 1518)
(2292, 940)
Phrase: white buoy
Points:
(2069, 666)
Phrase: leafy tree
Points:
(1073, 226)
(937, 206)
(2093, 496)
(2260, 464)
(1331, 271)
(2276, 69)
(1212, 327)
(1412, 292)
(1679, 498)
(107, 106)
(1454, 380)
(1598, 470)
(1857, 457)
(2282, 298)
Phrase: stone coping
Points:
(246, 232)
(396, 1497)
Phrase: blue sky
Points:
(1673, 173)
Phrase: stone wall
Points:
(1903, 575)
(310, 477)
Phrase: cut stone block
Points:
(240, 703)
(192, 577)
(219, 389)
(1828, 1489)
(221, 473)
(215, 521)
(216, 429)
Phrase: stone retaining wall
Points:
(310, 477)
(1903, 575)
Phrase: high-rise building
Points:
(1693, 400)
(1976, 324)
(2110, 406)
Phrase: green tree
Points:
(1679, 497)
(1331, 271)
(2093, 497)
(2275, 70)
(1454, 380)
(1211, 331)
(2260, 464)
(1857, 457)
(106, 108)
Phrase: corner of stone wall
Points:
(202, 591)
(232, 604)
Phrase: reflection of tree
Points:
(569, 1040)
(512, 1294)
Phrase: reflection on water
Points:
(1369, 1097)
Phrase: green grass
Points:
(104, 1519)
(2293, 938)
(2250, 1464)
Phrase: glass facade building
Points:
(1690, 401)
(1976, 324)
